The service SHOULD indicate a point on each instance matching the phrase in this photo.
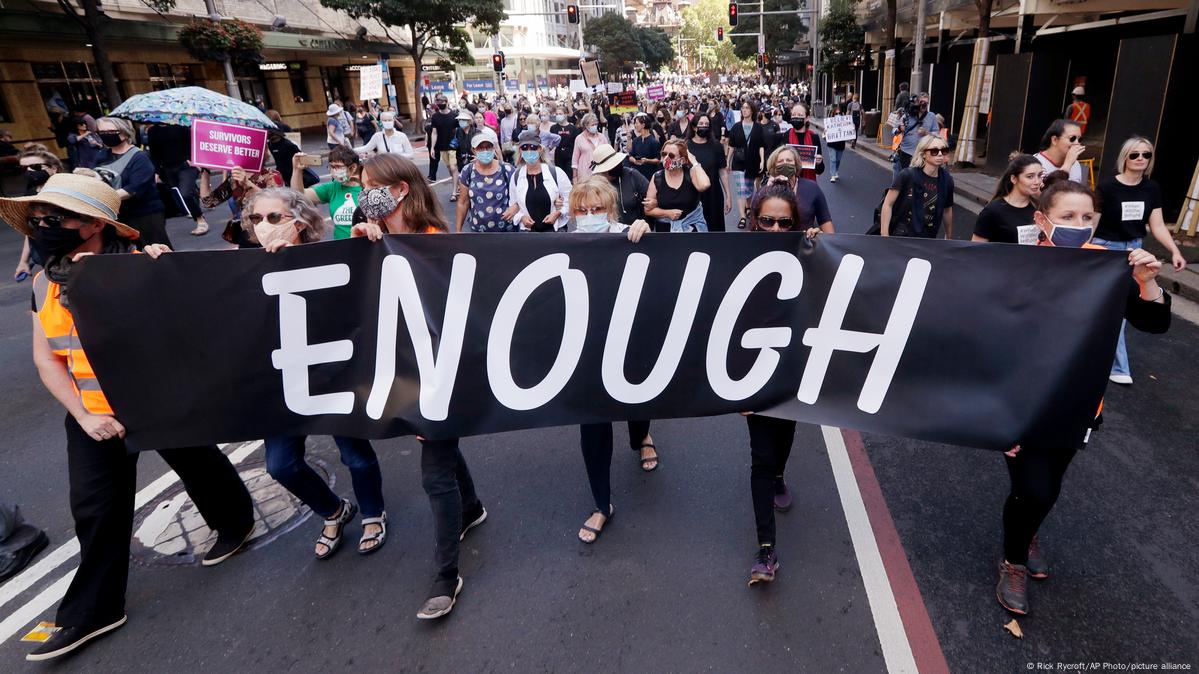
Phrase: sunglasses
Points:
(937, 151)
(55, 219)
(1138, 155)
(527, 147)
(34, 167)
(668, 155)
(1072, 138)
(272, 218)
(767, 222)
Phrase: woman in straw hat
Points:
(74, 216)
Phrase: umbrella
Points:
(183, 104)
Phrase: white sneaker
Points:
(1121, 379)
(833, 179)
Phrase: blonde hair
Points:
(595, 188)
(124, 126)
(773, 159)
(925, 142)
(588, 119)
(1128, 147)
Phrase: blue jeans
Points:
(1120, 365)
(285, 462)
(834, 156)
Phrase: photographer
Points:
(915, 123)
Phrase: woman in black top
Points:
(1012, 206)
(681, 126)
(705, 148)
(644, 148)
(746, 156)
(674, 192)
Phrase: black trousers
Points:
(1036, 482)
(770, 443)
(596, 442)
(152, 227)
(434, 164)
(186, 179)
(103, 479)
(713, 203)
(451, 491)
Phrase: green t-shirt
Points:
(342, 200)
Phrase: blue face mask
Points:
(463, 123)
(1065, 236)
(592, 223)
(485, 156)
(530, 156)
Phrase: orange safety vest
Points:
(59, 326)
(1080, 114)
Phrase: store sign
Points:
(512, 85)
(282, 65)
(479, 85)
(441, 86)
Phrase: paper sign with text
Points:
(370, 83)
(221, 146)
(655, 92)
(807, 156)
(839, 128)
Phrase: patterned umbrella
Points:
(182, 105)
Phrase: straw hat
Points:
(75, 193)
(605, 158)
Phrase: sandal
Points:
(378, 538)
(741, 223)
(347, 510)
(200, 230)
(593, 530)
(649, 459)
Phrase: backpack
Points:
(111, 172)
(897, 210)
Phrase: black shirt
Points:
(1126, 208)
(999, 220)
(685, 198)
(646, 147)
(170, 145)
(711, 158)
(446, 125)
(537, 202)
(631, 187)
(564, 153)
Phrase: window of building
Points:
(70, 86)
(333, 83)
(5, 115)
(299, 85)
(252, 85)
(169, 76)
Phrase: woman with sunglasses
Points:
(1066, 218)
(537, 191)
(774, 208)
(38, 166)
(782, 167)
(238, 186)
(398, 200)
(674, 192)
(1060, 149)
(1132, 206)
(921, 200)
(593, 205)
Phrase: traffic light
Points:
(732, 14)
(720, 33)
(572, 13)
(497, 62)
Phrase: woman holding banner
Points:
(593, 206)
(398, 200)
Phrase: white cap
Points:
(484, 136)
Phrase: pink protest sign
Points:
(655, 92)
(217, 145)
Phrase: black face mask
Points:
(799, 122)
(110, 138)
(701, 130)
(441, 106)
(36, 178)
(54, 242)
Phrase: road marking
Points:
(27, 578)
(897, 652)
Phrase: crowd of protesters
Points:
(528, 164)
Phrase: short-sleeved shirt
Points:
(1126, 208)
(813, 207)
(999, 221)
(646, 147)
(446, 125)
(1050, 167)
(488, 198)
(926, 195)
(342, 200)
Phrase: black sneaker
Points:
(67, 639)
(1037, 566)
(226, 546)
(442, 598)
(472, 519)
(1012, 588)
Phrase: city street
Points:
(888, 556)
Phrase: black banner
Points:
(981, 345)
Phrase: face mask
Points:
(530, 156)
(613, 175)
(678, 115)
(36, 178)
(441, 106)
(387, 124)
(53, 242)
(593, 129)
(785, 170)
(595, 223)
(378, 203)
(110, 138)
(1065, 236)
(266, 233)
(339, 175)
(799, 122)
(701, 130)
(485, 156)
(532, 125)
(560, 118)
(463, 123)
(671, 164)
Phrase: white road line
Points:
(897, 652)
(30, 611)
(27, 578)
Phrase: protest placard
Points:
(221, 146)
(839, 128)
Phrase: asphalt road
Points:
(664, 589)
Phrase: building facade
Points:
(540, 46)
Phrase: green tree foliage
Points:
(432, 26)
(842, 41)
(656, 48)
(781, 30)
(616, 42)
(700, 22)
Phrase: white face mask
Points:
(594, 223)
(339, 175)
(387, 124)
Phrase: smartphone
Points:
(21, 277)
(312, 160)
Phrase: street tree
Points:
(781, 31)
(656, 49)
(700, 22)
(842, 41)
(434, 27)
(616, 43)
